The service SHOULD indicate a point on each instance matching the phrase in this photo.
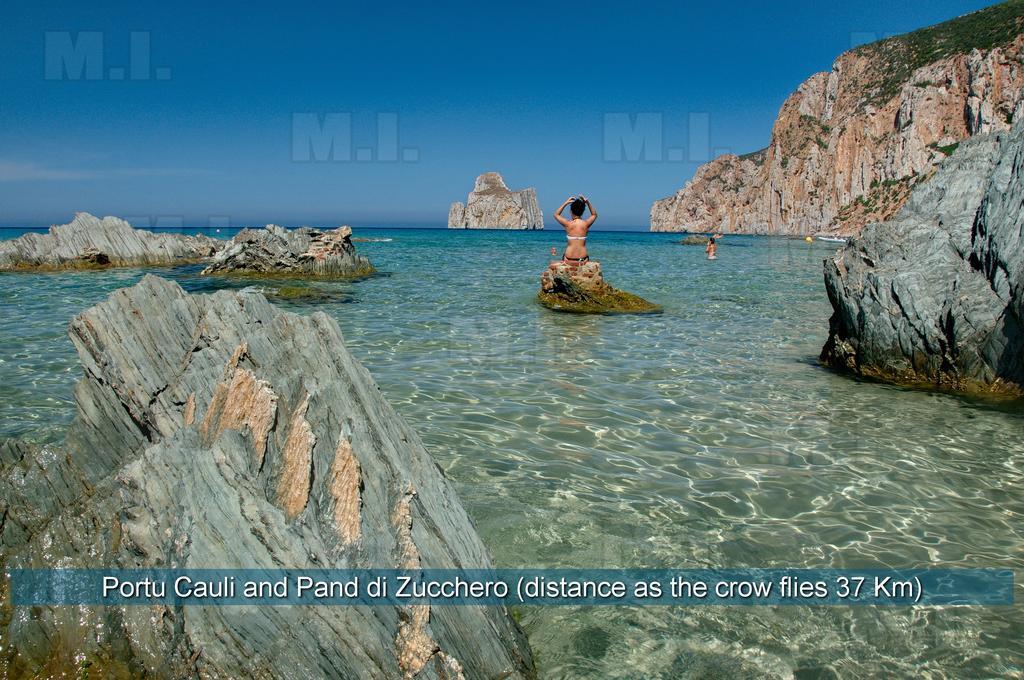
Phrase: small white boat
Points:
(832, 239)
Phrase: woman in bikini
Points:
(576, 229)
(712, 249)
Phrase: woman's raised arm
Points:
(593, 213)
(558, 213)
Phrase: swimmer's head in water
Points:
(712, 239)
(577, 207)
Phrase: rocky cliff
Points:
(850, 144)
(88, 242)
(304, 252)
(936, 296)
(218, 432)
(492, 205)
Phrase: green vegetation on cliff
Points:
(896, 58)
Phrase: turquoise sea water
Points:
(707, 436)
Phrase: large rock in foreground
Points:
(491, 205)
(218, 432)
(88, 242)
(582, 289)
(936, 296)
(299, 253)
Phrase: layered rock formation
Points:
(849, 145)
(301, 253)
(567, 287)
(491, 205)
(936, 296)
(218, 432)
(88, 242)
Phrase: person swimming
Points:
(576, 229)
(712, 249)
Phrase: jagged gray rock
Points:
(935, 296)
(219, 432)
(303, 252)
(492, 205)
(88, 242)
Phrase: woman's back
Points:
(576, 228)
(576, 235)
(712, 249)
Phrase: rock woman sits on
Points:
(575, 283)
(576, 229)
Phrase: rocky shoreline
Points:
(935, 297)
(216, 431)
(88, 242)
(850, 144)
(291, 253)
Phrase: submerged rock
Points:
(492, 205)
(582, 289)
(306, 295)
(299, 253)
(88, 242)
(936, 295)
(694, 240)
(219, 432)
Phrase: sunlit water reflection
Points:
(707, 436)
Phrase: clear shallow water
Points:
(706, 436)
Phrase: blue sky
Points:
(206, 130)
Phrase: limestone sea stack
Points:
(299, 253)
(936, 295)
(566, 287)
(88, 242)
(850, 144)
(492, 205)
(219, 432)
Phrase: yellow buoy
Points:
(808, 239)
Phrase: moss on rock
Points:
(581, 289)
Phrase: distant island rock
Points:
(300, 253)
(566, 287)
(492, 205)
(88, 242)
(217, 432)
(935, 296)
(850, 144)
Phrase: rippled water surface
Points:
(707, 436)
